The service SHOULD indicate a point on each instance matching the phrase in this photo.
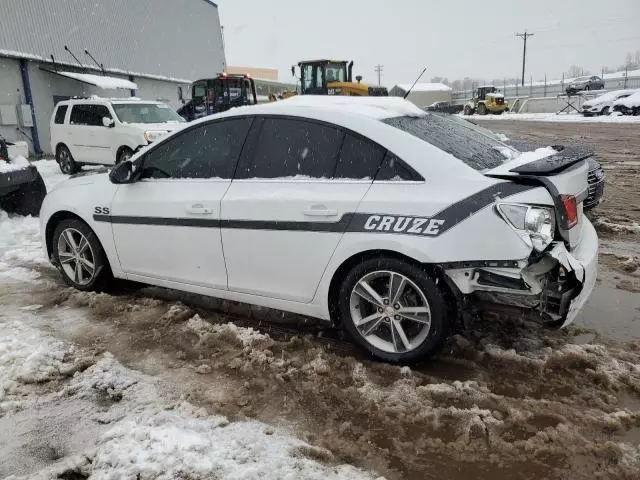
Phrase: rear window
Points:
(476, 149)
(60, 113)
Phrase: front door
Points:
(166, 226)
(290, 203)
(102, 149)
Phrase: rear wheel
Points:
(587, 88)
(79, 256)
(392, 309)
(66, 162)
(482, 109)
(605, 111)
(467, 110)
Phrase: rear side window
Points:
(206, 151)
(289, 148)
(359, 158)
(477, 150)
(395, 170)
(60, 114)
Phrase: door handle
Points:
(199, 209)
(320, 212)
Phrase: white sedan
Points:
(369, 213)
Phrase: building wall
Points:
(422, 98)
(160, 91)
(10, 93)
(256, 72)
(176, 38)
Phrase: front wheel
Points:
(605, 111)
(125, 154)
(467, 110)
(482, 109)
(392, 309)
(79, 256)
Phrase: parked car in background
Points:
(356, 211)
(603, 104)
(444, 107)
(581, 84)
(629, 105)
(106, 131)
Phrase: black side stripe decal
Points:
(350, 222)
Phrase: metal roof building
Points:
(53, 50)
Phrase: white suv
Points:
(106, 131)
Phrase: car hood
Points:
(86, 177)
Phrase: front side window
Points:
(98, 112)
(60, 114)
(336, 72)
(206, 151)
(477, 150)
(145, 113)
(291, 148)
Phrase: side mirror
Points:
(108, 122)
(121, 173)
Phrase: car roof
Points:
(135, 100)
(375, 108)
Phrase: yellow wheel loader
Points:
(332, 77)
(486, 100)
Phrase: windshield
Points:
(477, 149)
(145, 113)
(336, 72)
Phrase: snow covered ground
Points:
(552, 117)
(71, 412)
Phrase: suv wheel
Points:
(65, 161)
(124, 155)
(79, 256)
(392, 309)
(587, 88)
(605, 111)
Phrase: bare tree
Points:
(575, 71)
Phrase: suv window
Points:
(88, 114)
(286, 148)
(206, 151)
(359, 158)
(60, 114)
(477, 150)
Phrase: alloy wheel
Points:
(76, 256)
(65, 161)
(390, 311)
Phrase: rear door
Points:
(166, 226)
(297, 184)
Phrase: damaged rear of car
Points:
(540, 198)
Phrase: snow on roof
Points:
(425, 87)
(101, 81)
(373, 107)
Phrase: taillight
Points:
(569, 211)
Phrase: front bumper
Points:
(557, 283)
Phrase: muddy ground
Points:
(509, 399)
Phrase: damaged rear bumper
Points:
(557, 283)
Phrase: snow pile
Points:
(247, 337)
(552, 117)
(19, 244)
(375, 107)
(424, 87)
(604, 225)
(18, 163)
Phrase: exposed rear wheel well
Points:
(433, 271)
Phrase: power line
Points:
(378, 69)
(524, 36)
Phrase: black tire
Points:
(467, 110)
(605, 111)
(102, 276)
(124, 154)
(65, 161)
(482, 109)
(438, 316)
(587, 88)
(27, 200)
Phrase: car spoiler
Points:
(566, 157)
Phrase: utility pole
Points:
(378, 69)
(524, 36)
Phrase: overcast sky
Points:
(454, 38)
